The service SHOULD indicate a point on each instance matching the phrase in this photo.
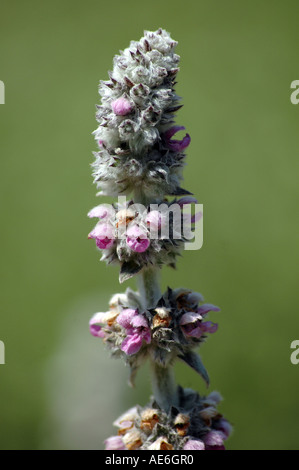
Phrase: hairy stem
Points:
(164, 386)
(163, 381)
(140, 197)
(149, 287)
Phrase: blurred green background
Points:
(59, 388)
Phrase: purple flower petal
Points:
(131, 344)
(209, 327)
(102, 211)
(196, 217)
(104, 243)
(190, 317)
(194, 332)
(124, 319)
(128, 415)
(205, 308)
(194, 444)
(137, 330)
(137, 239)
(186, 200)
(176, 145)
(139, 321)
(96, 331)
(97, 318)
(126, 424)
(134, 231)
(103, 234)
(146, 335)
(95, 325)
(224, 426)
(215, 447)
(214, 438)
(121, 106)
(191, 324)
(154, 219)
(114, 443)
(172, 131)
(96, 230)
(139, 245)
(180, 145)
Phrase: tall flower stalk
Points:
(139, 158)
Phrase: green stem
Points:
(149, 287)
(164, 386)
(140, 197)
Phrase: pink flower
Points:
(189, 200)
(127, 417)
(205, 308)
(196, 217)
(209, 327)
(95, 325)
(114, 443)
(137, 239)
(154, 219)
(103, 211)
(121, 106)
(192, 324)
(224, 426)
(102, 318)
(194, 444)
(176, 145)
(104, 235)
(214, 440)
(137, 330)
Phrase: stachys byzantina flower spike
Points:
(135, 118)
(141, 155)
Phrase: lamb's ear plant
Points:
(139, 159)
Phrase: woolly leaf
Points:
(193, 360)
(128, 270)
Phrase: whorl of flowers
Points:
(169, 331)
(135, 134)
(139, 155)
(136, 237)
(195, 424)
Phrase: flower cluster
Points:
(137, 236)
(195, 424)
(135, 133)
(171, 330)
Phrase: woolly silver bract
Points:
(137, 110)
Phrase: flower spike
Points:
(139, 158)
